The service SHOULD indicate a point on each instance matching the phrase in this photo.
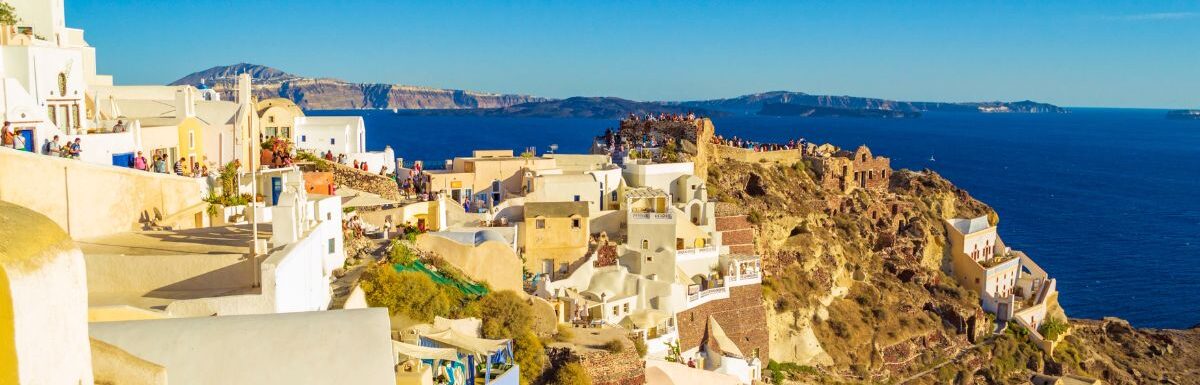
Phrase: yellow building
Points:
(555, 235)
(981, 263)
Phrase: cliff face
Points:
(322, 93)
(857, 291)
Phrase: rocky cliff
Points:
(324, 94)
(857, 290)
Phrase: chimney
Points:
(243, 90)
(185, 104)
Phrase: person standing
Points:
(19, 142)
(160, 164)
(139, 162)
(6, 137)
(179, 166)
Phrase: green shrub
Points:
(530, 355)
(505, 315)
(755, 217)
(572, 373)
(402, 254)
(640, 346)
(564, 333)
(409, 293)
(613, 346)
(1052, 328)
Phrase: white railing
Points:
(706, 251)
(703, 297)
(743, 279)
(650, 216)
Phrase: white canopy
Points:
(404, 350)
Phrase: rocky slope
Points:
(751, 104)
(325, 94)
(858, 294)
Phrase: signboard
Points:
(456, 184)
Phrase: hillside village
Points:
(162, 233)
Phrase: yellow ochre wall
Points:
(8, 340)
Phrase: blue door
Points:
(29, 144)
(123, 160)
(276, 188)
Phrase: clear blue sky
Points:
(1075, 53)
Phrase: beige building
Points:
(489, 176)
(277, 117)
(554, 236)
(981, 263)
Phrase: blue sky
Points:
(1073, 53)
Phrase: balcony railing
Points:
(649, 216)
(697, 252)
(696, 299)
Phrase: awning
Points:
(465, 343)
(404, 350)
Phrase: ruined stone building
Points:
(845, 171)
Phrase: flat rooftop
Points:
(234, 239)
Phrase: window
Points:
(576, 223)
(625, 307)
(614, 195)
(540, 223)
(645, 244)
(332, 141)
(52, 113)
(331, 245)
(577, 198)
(303, 138)
(191, 139)
(75, 115)
(271, 119)
(616, 310)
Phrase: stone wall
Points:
(374, 183)
(787, 157)
(604, 368)
(737, 233)
(743, 317)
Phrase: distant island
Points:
(1184, 114)
(753, 104)
(334, 94)
(575, 107)
(783, 109)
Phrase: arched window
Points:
(645, 244)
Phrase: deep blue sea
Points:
(1107, 200)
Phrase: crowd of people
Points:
(415, 185)
(276, 152)
(758, 146)
(661, 117)
(159, 164)
(14, 140)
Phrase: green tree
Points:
(505, 315)
(572, 373)
(530, 355)
(8, 14)
(410, 293)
